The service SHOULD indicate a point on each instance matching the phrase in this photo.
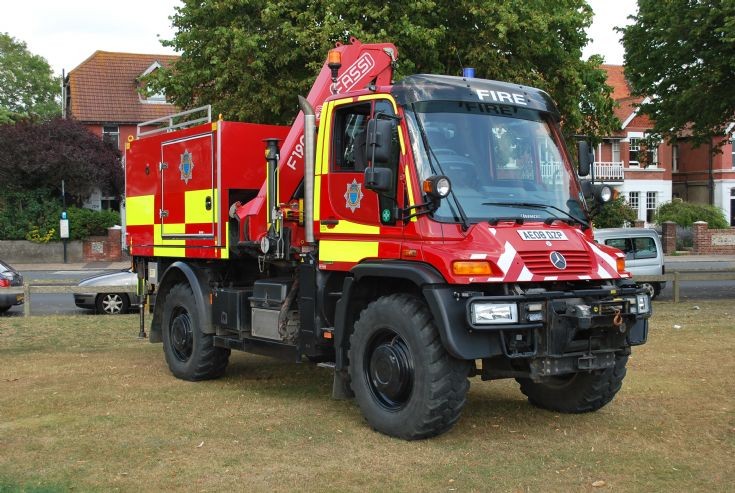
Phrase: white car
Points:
(644, 255)
(110, 303)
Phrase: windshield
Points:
(502, 161)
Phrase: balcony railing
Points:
(607, 171)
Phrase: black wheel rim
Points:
(389, 370)
(181, 335)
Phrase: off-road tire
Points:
(431, 385)
(190, 354)
(4, 309)
(578, 393)
(112, 303)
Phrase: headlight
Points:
(494, 313)
(641, 304)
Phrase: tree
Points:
(38, 155)
(28, 88)
(251, 58)
(681, 53)
(685, 214)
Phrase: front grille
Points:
(539, 263)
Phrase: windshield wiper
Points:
(430, 153)
(572, 219)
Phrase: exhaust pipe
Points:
(309, 158)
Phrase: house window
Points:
(675, 157)
(635, 147)
(615, 151)
(650, 206)
(652, 155)
(633, 200)
(111, 134)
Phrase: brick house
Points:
(675, 169)
(703, 178)
(102, 92)
(646, 182)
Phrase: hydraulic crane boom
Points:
(365, 64)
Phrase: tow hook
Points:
(618, 319)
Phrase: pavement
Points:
(73, 266)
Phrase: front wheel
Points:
(405, 383)
(576, 393)
(190, 354)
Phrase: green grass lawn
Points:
(86, 406)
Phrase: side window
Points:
(622, 244)
(645, 248)
(349, 138)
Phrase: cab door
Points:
(356, 223)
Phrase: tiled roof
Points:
(621, 94)
(103, 88)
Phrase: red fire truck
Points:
(432, 229)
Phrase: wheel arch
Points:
(366, 283)
(199, 280)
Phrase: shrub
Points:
(614, 214)
(686, 213)
(35, 217)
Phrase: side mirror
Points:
(586, 157)
(379, 141)
(379, 179)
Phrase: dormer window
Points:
(149, 96)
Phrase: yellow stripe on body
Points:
(169, 248)
(194, 206)
(410, 189)
(139, 210)
(224, 252)
(347, 227)
(346, 251)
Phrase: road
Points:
(47, 304)
(54, 304)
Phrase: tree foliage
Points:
(28, 88)
(39, 155)
(251, 58)
(685, 214)
(681, 53)
(615, 214)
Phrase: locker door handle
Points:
(208, 203)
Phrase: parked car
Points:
(110, 303)
(644, 255)
(9, 277)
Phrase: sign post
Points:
(64, 230)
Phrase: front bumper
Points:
(552, 331)
(87, 301)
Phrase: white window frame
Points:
(651, 204)
(634, 146)
(616, 151)
(634, 200)
(107, 134)
(674, 157)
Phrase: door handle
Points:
(208, 203)
(330, 223)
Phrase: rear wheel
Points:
(405, 383)
(190, 354)
(650, 289)
(576, 393)
(112, 303)
(4, 309)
